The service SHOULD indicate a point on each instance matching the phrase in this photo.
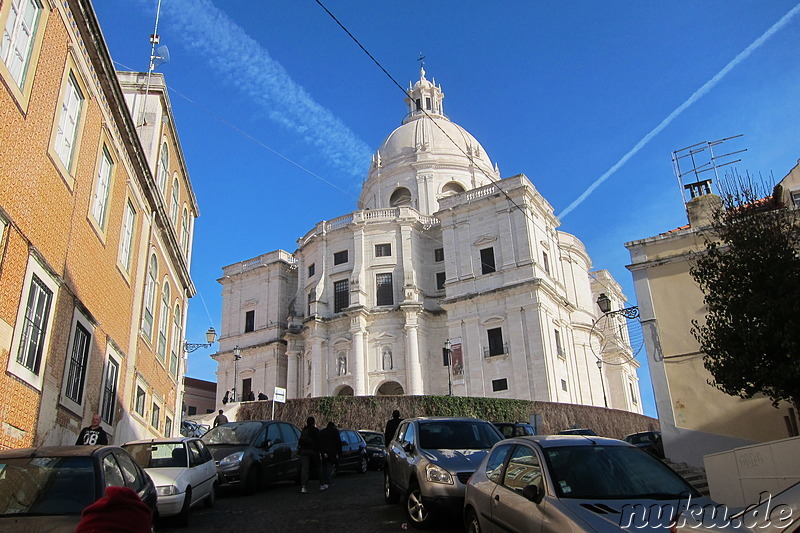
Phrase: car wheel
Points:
(253, 480)
(472, 525)
(211, 499)
(419, 515)
(183, 516)
(389, 493)
(362, 468)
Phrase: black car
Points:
(376, 448)
(649, 441)
(578, 431)
(514, 429)
(253, 453)
(354, 452)
(47, 488)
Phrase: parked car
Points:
(649, 441)
(429, 461)
(47, 488)
(189, 428)
(552, 484)
(376, 448)
(354, 452)
(577, 431)
(514, 429)
(252, 453)
(183, 471)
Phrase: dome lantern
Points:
(424, 98)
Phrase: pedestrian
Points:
(93, 434)
(220, 419)
(251, 396)
(262, 396)
(308, 447)
(391, 427)
(330, 446)
(225, 398)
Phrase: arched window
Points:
(150, 297)
(173, 208)
(185, 232)
(401, 196)
(163, 323)
(177, 340)
(163, 172)
(452, 188)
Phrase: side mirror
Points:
(533, 493)
(408, 447)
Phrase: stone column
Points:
(292, 358)
(413, 367)
(359, 367)
(318, 386)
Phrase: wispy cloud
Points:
(699, 93)
(238, 58)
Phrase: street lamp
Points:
(602, 383)
(237, 354)
(447, 355)
(211, 335)
(604, 303)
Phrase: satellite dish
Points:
(160, 56)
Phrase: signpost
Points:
(278, 396)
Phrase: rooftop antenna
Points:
(158, 56)
(690, 162)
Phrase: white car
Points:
(182, 470)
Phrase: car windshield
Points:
(612, 473)
(159, 454)
(46, 485)
(373, 439)
(641, 438)
(457, 435)
(234, 434)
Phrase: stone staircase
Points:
(695, 475)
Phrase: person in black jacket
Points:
(308, 448)
(94, 434)
(330, 445)
(391, 427)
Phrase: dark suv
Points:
(514, 429)
(429, 462)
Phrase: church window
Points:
(499, 384)
(564, 385)
(496, 345)
(401, 196)
(311, 269)
(341, 295)
(383, 250)
(487, 261)
(384, 289)
(633, 393)
(440, 277)
(310, 301)
(249, 321)
(559, 348)
(428, 103)
(438, 255)
(419, 104)
(546, 263)
(339, 258)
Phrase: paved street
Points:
(353, 504)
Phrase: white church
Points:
(448, 279)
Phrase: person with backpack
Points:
(308, 448)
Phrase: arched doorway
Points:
(345, 390)
(390, 388)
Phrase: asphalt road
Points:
(353, 504)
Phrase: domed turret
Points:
(428, 157)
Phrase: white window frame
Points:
(69, 121)
(169, 423)
(126, 240)
(102, 188)
(163, 171)
(177, 344)
(19, 36)
(110, 386)
(68, 384)
(155, 414)
(148, 309)
(173, 207)
(140, 385)
(24, 373)
(185, 232)
(163, 323)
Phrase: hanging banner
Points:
(457, 359)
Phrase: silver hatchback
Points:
(429, 462)
(552, 484)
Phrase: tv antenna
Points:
(158, 56)
(690, 162)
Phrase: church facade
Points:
(448, 279)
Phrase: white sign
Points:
(279, 395)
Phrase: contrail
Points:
(699, 93)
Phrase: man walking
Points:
(308, 447)
(391, 427)
(93, 434)
(220, 419)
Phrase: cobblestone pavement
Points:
(353, 504)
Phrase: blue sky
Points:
(278, 110)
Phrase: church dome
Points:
(428, 157)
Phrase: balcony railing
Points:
(493, 350)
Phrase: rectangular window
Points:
(17, 45)
(796, 198)
(155, 416)
(76, 375)
(141, 396)
(564, 385)
(110, 381)
(168, 426)
(559, 348)
(487, 261)
(341, 295)
(101, 189)
(440, 277)
(383, 289)
(34, 326)
(311, 270)
(499, 384)
(163, 324)
(383, 250)
(249, 321)
(177, 341)
(192, 410)
(339, 258)
(546, 263)
(67, 131)
(496, 346)
(310, 301)
(633, 393)
(438, 255)
(127, 236)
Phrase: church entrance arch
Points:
(344, 390)
(390, 388)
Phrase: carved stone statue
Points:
(342, 364)
(387, 358)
